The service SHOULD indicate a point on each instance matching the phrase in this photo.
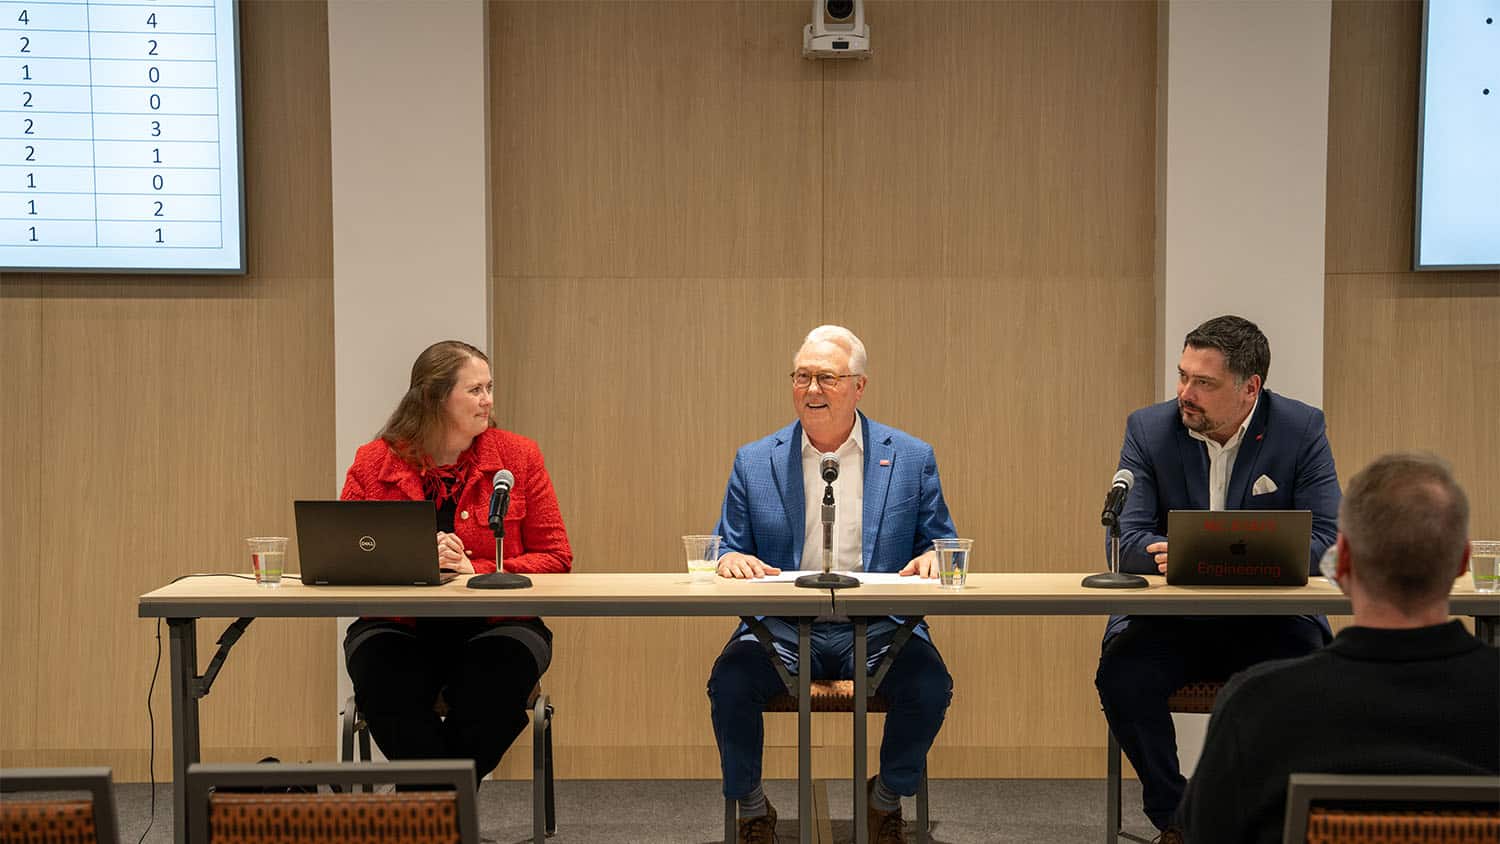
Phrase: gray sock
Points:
(753, 804)
(882, 798)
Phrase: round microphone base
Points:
(500, 580)
(1115, 580)
(827, 580)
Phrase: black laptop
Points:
(1238, 547)
(368, 543)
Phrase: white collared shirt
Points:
(1221, 459)
(848, 496)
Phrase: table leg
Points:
(185, 746)
(804, 730)
(1487, 629)
(861, 707)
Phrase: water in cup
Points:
(953, 557)
(702, 557)
(1484, 561)
(267, 559)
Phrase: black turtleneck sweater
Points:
(1375, 701)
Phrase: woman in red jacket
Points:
(441, 444)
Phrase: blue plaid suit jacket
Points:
(764, 512)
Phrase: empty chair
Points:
(1349, 808)
(58, 820)
(219, 813)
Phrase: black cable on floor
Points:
(151, 714)
(151, 718)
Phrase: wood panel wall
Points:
(1411, 359)
(672, 217)
(152, 422)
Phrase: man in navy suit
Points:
(890, 509)
(1225, 443)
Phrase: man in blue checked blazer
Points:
(1225, 443)
(890, 509)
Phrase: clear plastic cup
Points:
(1484, 562)
(702, 557)
(267, 559)
(953, 561)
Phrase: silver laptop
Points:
(1238, 547)
(368, 543)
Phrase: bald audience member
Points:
(1403, 691)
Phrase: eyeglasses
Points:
(827, 380)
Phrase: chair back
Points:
(448, 814)
(1348, 808)
(89, 820)
(826, 696)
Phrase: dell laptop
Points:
(368, 543)
(1238, 547)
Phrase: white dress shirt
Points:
(1221, 459)
(848, 496)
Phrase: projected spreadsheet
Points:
(119, 135)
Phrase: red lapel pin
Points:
(885, 462)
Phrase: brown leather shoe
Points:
(1170, 835)
(885, 827)
(760, 829)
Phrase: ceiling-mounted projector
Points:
(838, 31)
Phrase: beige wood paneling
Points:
(639, 392)
(1374, 68)
(21, 424)
(654, 140)
(1412, 363)
(1412, 358)
(993, 139)
(1025, 406)
(984, 188)
(178, 415)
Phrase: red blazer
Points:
(535, 540)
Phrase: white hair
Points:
(844, 339)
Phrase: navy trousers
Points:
(1143, 664)
(917, 687)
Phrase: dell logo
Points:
(367, 543)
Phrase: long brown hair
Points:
(417, 422)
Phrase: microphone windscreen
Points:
(828, 467)
(504, 480)
(1124, 476)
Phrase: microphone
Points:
(828, 467)
(500, 501)
(1114, 502)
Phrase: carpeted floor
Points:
(692, 811)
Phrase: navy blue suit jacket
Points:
(1285, 441)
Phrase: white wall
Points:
(1242, 175)
(410, 216)
(1243, 178)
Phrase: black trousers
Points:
(484, 671)
(1143, 664)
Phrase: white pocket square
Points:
(1263, 485)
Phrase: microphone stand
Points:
(828, 578)
(499, 578)
(1114, 578)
